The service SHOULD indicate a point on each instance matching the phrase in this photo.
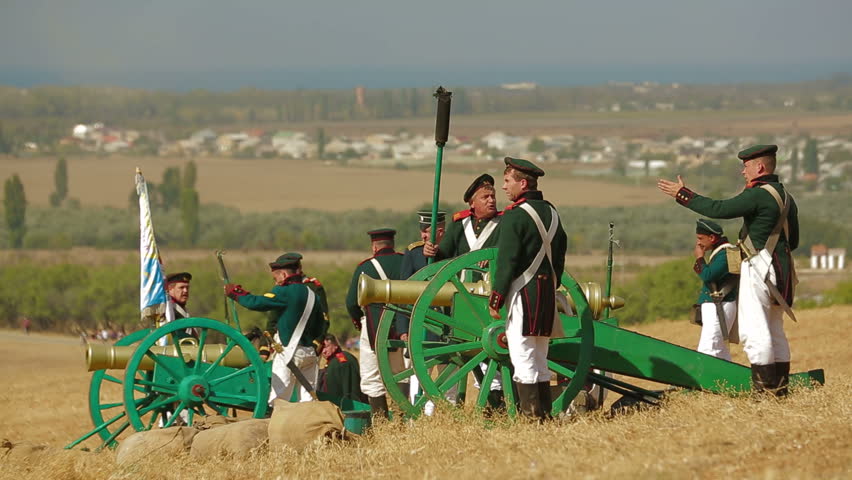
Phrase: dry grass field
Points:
(268, 185)
(807, 435)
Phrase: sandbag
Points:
(237, 440)
(297, 425)
(162, 441)
(212, 421)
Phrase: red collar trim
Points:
(517, 202)
(462, 214)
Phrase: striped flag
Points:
(152, 292)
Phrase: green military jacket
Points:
(518, 244)
(714, 275)
(342, 378)
(322, 299)
(455, 241)
(760, 214)
(390, 262)
(287, 302)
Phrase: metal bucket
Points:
(356, 421)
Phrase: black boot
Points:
(529, 399)
(545, 399)
(763, 378)
(379, 406)
(496, 400)
(405, 388)
(782, 377)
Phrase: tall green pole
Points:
(608, 291)
(442, 133)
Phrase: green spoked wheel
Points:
(197, 379)
(477, 339)
(106, 408)
(387, 343)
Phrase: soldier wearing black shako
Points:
(385, 265)
(530, 260)
(769, 234)
(299, 320)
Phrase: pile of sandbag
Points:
(294, 425)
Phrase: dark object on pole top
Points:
(442, 123)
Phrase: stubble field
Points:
(808, 435)
(272, 185)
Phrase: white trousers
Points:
(283, 381)
(496, 384)
(527, 354)
(761, 321)
(711, 341)
(371, 377)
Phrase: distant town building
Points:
(824, 258)
(519, 86)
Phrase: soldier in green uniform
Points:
(413, 259)
(299, 321)
(473, 228)
(341, 378)
(717, 303)
(769, 234)
(177, 287)
(530, 260)
(315, 286)
(385, 265)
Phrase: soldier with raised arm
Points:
(769, 234)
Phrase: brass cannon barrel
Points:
(597, 301)
(100, 357)
(406, 292)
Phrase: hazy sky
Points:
(91, 38)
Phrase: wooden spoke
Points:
(462, 371)
(202, 340)
(158, 361)
(448, 349)
(508, 390)
(485, 383)
(179, 352)
(175, 415)
(228, 348)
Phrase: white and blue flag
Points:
(152, 292)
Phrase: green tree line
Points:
(74, 297)
(659, 229)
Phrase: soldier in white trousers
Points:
(717, 302)
(769, 234)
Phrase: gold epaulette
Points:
(414, 245)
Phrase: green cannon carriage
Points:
(160, 378)
(464, 337)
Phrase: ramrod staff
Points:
(442, 133)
